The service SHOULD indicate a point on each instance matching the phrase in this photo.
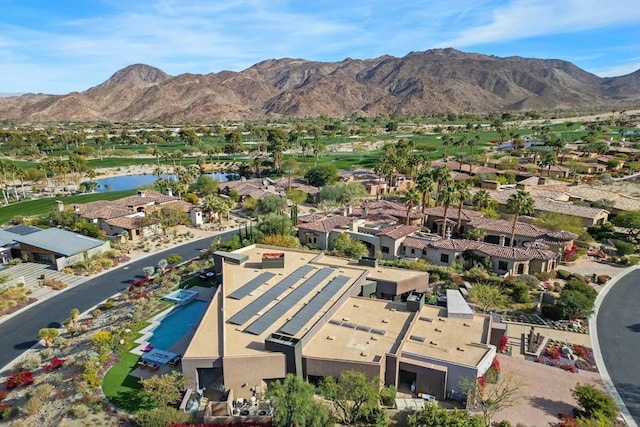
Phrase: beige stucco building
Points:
(313, 318)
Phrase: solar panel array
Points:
(251, 285)
(307, 312)
(241, 317)
(277, 311)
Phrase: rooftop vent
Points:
(331, 338)
(356, 305)
(373, 338)
(363, 354)
(441, 319)
(385, 321)
(460, 349)
(345, 319)
(438, 330)
(433, 343)
(466, 324)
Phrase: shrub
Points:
(47, 353)
(624, 248)
(33, 361)
(6, 411)
(388, 395)
(32, 406)
(96, 313)
(563, 274)
(43, 391)
(79, 411)
(161, 417)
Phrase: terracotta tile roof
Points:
(503, 226)
(452, 213)
(102, 209)
(149, 196)
(567, 208)
(561, 235)
(397, 231)
(127, 222)
(458, 245)
(327, 224)
(283, 183)
(303, 219)
(412, 242)
(490, 249)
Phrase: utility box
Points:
(273, 260)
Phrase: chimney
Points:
(140, 193)
(168, 192)
(502, 239)
(76, 208)
(364, 212)
(349, 209)
(345, 212)
(542, 180)
(60, 205)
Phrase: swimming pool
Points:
(177, 323)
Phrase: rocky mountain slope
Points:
(440, 80)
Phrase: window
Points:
(444, 258)
(385, 249)
(413, 251)
(503, 265)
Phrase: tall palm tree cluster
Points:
(456, 193)
(400, 158)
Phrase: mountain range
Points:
(420, 83)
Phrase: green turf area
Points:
(123, 390)
(43, 206)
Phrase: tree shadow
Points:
(56, 325)
(630, 394)
(26, 345)
(634, 327)
(551, 407)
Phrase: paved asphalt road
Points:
(618, 326)
(21, 332)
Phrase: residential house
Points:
(126, 216)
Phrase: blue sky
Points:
(71, 45)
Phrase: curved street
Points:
(618, 335)
(20, 333)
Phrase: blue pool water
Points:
(176, 325)
(131, 182)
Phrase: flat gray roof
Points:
(7, 238)
(456, 305)
(59, 241)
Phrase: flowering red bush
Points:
(553, 352)
(496, 365)
(54, 364)
(19, 379)
(566, 421)
(3, 395)
(579, 350)
(503, 343)
(481, 381)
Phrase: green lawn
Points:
(43, 206)
(123, 390)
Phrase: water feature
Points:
(180, 321)
(181, 296)
(131, 182)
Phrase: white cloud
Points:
(618, 70)
(521, 19)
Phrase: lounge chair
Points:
(154, 366)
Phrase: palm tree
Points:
(448, 196)
(464, 193)
(482, 199)
(424, 184)
(411, 198)
(440, 175)
(548, 159)
(520, 203)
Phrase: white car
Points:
(427, 397)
